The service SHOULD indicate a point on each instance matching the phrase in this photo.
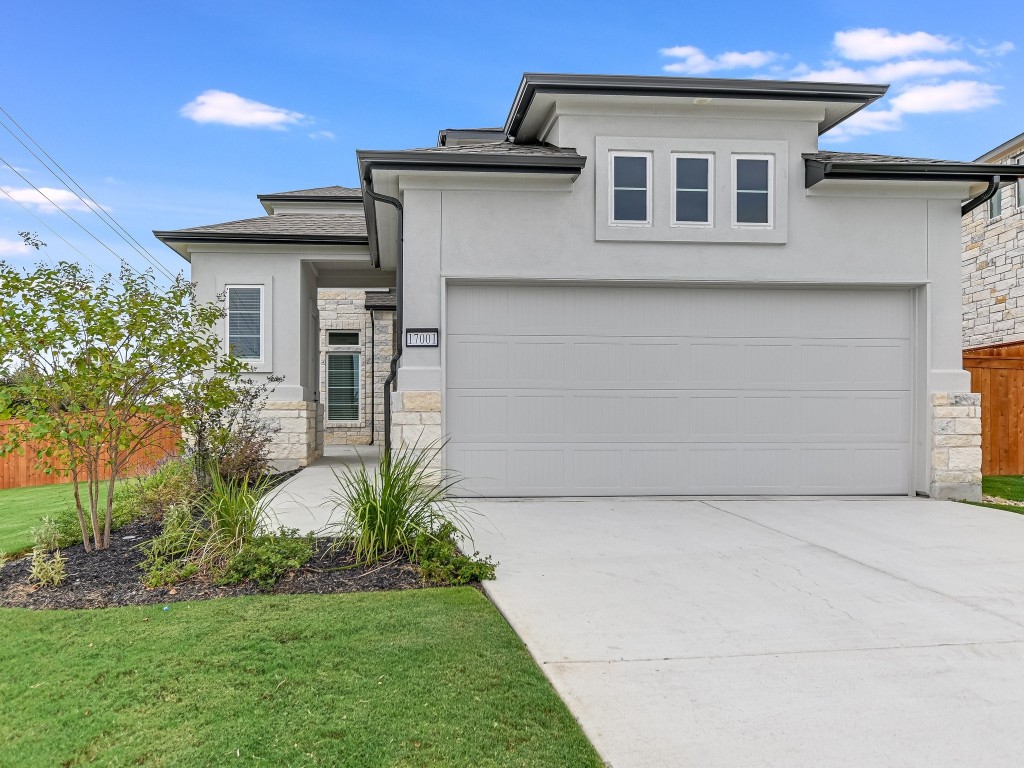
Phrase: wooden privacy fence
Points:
(18, 470)
(997, 374)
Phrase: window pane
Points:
(995, 204)
(246, 347)
(342, 338)
(751, 174)
(244, 323)
(751, 207)
(630, 205)
(691, 173)
(630, 172)
(343, 387)
(692, 206)
(244, 299)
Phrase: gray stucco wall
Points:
(477, 226)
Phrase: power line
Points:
(58, 234)
(80, 225)
(88, 200)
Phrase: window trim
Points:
(1019, 160)
(359, 386)
(993, 202)
(710, 157)
(734, 189)
(648, 157)
(227, 322)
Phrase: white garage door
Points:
(573, 390)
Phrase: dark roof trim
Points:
(278, 239)
(816, 170)
(1004, 147)
(488, 134)
(647, 85)
(380, 300)
(288, 197)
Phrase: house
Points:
(635, 286)
(993, 322)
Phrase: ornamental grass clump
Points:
(404, 507)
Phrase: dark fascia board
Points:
(819, 170)
(310, 198)
(469, 133)
(702, 87)
(477, 162)
(172, 236)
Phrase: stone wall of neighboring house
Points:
(343, 310)
(993, 272)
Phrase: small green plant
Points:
(267, 558)
(400, 506)
(441, 562)
(166, 554)
(47, 570)
(46, 536)
(166, 574)
(172, 482)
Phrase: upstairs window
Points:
(245, 321)
(752, 184)
(631, 188)
(995, 204)
(342, 338)
(1019, 160)
(342, 386)
(692, 200)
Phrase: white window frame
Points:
(734, 190)
(350, 350)
(710, 157)
(227, 322)
(612, 221)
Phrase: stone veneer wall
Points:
(956, 446)
(993, 273)
(344, 310)
(415, 418)
(294, 445)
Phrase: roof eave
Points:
(654, 85)
(310, 198)
(816, 171)
(172, 236)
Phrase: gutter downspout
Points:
(389, 382)
(984, 197)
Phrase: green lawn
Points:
(419, 678)
(1004, 486)
(22, 508)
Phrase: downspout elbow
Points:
(984, 197)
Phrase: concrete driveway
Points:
(860, 632)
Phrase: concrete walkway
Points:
(304, 501)
(862, 632)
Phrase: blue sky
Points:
(176, 114)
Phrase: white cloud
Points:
(696, 62)
(231, 109)
(881, 44)
(1000, 49)
(329, 135)
(37, 199)
(14, 248)
(890, 72)
(954, 96)
(867, 121)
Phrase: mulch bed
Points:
(112, 577)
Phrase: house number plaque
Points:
(421, 337)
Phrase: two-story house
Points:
(636, 286)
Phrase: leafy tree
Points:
(101, 370)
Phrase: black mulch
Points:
(112, 577)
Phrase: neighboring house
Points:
(993, 323)
(637, 285)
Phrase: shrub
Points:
(244, 453)
(171, 483)
(399, 507)
(46, 570)
(46, 536)
(441, 562)
(267, 558)
(224, 541)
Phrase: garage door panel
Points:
(676, 391)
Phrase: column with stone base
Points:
(294, 443)
(955, 468)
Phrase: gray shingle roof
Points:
(325, 192)
(861, 157)
(323, 226)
